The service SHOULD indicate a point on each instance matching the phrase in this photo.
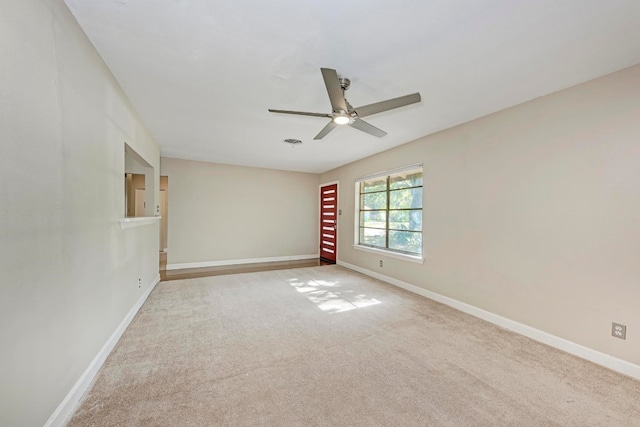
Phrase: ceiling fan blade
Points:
(368, 128)
(389, 104)
(325, 130)
(300, 113)
(334, 89)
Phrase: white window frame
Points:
(419, 258)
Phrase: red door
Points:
(329, 222)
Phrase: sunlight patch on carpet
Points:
(331, 300)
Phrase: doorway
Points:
(164, 212)
(135, 195)
(329, 222)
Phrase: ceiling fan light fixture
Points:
(341, 120)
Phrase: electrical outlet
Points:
(380, 263)
(619, 331)
(139, 282)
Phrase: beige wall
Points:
(222, 212)
(68, 273)
(531, 213)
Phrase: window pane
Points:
(390, 214)
(376, 184)
(373, 201)
(407, 241)
(405, 220)
(373, 237)
(373, 219)
(405, 199)
(406, 179)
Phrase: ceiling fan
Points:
(344, 114)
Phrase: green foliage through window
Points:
(391, 212)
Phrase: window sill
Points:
(411, 258)
(137, 221)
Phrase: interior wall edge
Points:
(594, 356)
(72, 399)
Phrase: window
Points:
(390, 211)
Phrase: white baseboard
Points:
(68, 405)
(239, 261)
(581, 351)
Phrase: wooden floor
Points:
(190, 273)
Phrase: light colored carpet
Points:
(325, 346)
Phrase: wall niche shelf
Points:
(138, 221)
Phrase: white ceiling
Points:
(202, 73)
